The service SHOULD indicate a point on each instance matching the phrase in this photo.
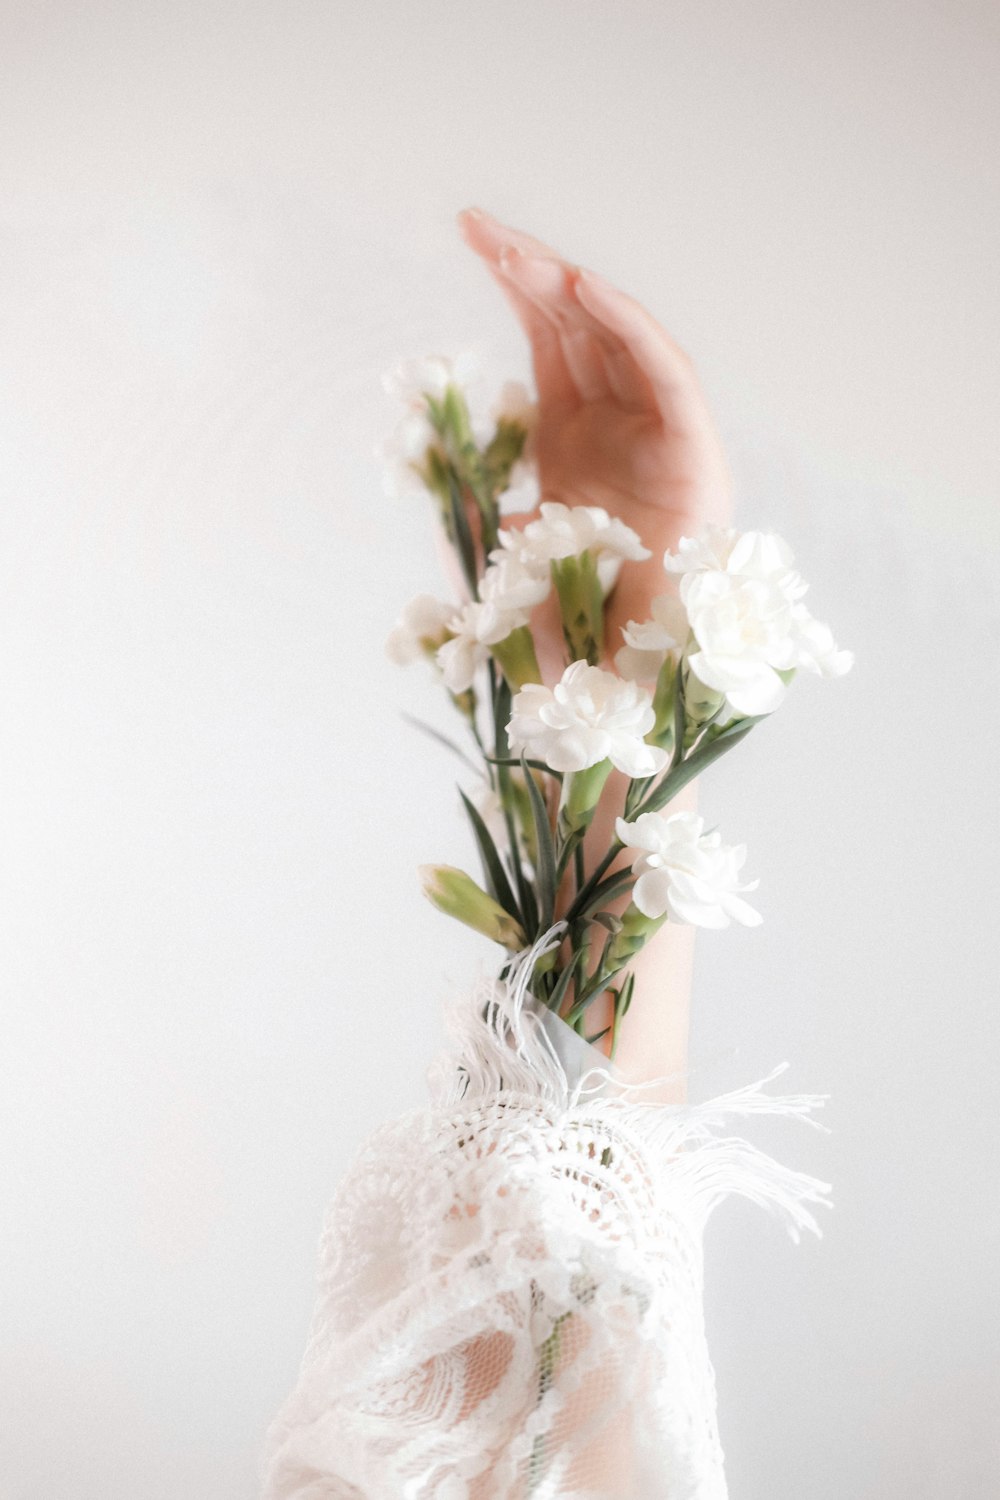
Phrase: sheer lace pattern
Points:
(510, 1287)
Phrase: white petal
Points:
(651, 893)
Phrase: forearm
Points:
(653, 1037)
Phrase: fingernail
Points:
(473, 213)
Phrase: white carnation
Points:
(685, 872)
(743, 599)
(648, 642)
(515, 403)
(817, 649)
(403, 454)
(508, 593)
(512, 590)
(461, 657)
(589, 716)
(569, 530)
(744, 633)
(413, 380)
(420, 629)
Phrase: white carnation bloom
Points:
(508, 594)
(462, 656)
(744, 604)
(568, 530)
(744, 633)
(709, 550)
(685, 872)
(589, 716)
(413, 380)
(523, 490)
(817, 650)
(749, 554)
(511, 591)
(420, 629)
(515, 403)
(648, 642)
(403, 454)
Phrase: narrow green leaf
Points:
(626, 993)
(615, 885)
(680, 714)
(510, 760)
(584, 896)
(701, 757)
(442, 739)
(562, 983)
(496, 876)
(546, 871)
(572, 842)
(464, 544)
(609, 921)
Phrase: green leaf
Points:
(625, 994)
(709, 750)
(584, 897)
(572, 842)
(615, 885)
(525, 898)
(464, 544)
(496, 877)
(680, 718)
(563, 982)
(609, 921)
(442, 739)
(501, 701)
(546, 871)
(510, 760)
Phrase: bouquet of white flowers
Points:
(724, 641)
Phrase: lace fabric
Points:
(510, 1288)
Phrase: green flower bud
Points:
(458, 895)
(635, 932)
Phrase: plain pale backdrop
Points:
(221, 222)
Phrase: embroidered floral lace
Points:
(510, 1284)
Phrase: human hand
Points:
(623, 422)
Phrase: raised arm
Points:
(623, 424)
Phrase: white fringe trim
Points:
(504, 1044)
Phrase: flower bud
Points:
(635, 932)
(458, 895)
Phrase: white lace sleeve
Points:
(510, 1289)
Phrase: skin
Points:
(623, 424)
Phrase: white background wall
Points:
(221, 221)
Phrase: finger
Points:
(557, 390)
(655, 354)
(548, 284)
(488, 235)
(553, 377)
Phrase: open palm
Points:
(623, 422)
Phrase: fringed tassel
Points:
(503, 1044)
